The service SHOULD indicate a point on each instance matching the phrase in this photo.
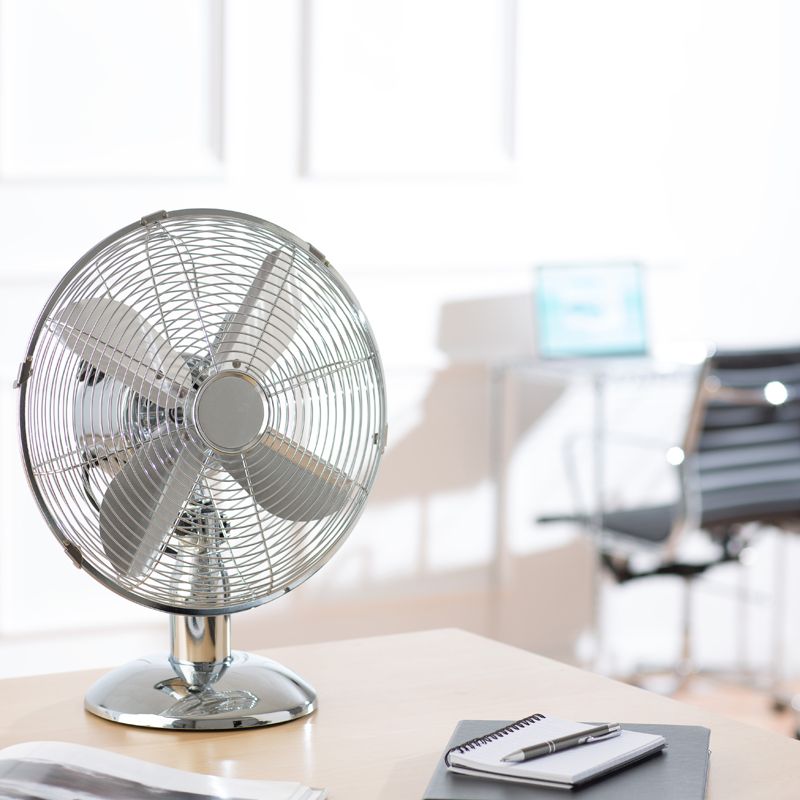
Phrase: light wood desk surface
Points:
(388, 706)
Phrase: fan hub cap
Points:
(230, 412)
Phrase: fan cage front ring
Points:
(194, 270)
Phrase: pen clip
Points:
(601, 736)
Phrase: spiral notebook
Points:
(678, 772)
(482, 756)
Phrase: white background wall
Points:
(434, 150)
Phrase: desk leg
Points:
(596, 523)
(781, 697)
(497, 466)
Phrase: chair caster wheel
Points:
(779, 705)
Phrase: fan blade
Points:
(289, 481)
(117, 340)
(266, 319)
(98, 421)
(142, 503)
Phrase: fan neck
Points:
(201, 647)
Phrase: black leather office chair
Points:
(741, 465)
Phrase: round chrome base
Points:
(249, 692)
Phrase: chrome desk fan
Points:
(202, 413)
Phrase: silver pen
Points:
(597, 734)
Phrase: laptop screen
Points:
(590, 310)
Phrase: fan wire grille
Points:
(113, 396)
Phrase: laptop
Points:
(591, 311)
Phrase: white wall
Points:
(434, 150)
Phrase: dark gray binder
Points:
(679, 772)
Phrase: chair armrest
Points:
(745, 397)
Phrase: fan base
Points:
(249, 692)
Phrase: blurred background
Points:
(439, 152)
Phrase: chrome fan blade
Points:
(142, 503)
(98, 419)
(289, 481)
(115, 339)
(265, 322)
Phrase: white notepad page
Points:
(572, 766)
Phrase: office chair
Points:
(741, 465)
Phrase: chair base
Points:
(785, 699)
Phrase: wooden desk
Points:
(388, 706)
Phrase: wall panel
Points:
(410, 88)
(91, 89)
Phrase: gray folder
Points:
(679, 772)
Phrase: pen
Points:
(596, 734)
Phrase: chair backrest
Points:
(743, 439)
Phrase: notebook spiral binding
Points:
(494, 735)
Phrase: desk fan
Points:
(202, 414)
